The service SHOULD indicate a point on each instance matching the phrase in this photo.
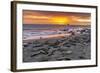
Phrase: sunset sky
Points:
(58, 18)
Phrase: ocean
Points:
(41, 26)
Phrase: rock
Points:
(25, 44)
(52, 50)
(60, 41)
(44, 48)
(36, 49)
(63, 48)
(37, 45)
(42, 41)
(67, 52)
(63, 58)
(52, 42)
(67, 45)
(37, 53)
(40, 58)
(82, 57)
(56, 54)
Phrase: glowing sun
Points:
(60, 20)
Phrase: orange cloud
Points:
(60, 18)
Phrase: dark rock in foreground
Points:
(75, 47)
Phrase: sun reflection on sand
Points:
(47, 36)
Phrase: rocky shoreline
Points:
(74, 47)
